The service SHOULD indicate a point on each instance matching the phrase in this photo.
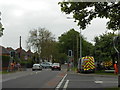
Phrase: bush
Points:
(26, 64)
(5, 61)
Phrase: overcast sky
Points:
(21, 16)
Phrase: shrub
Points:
(5, 61)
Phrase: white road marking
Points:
(98, 81)
(58, 86)
(66, 84)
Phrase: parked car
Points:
(56, 66)
(50, 64)
(36, 67)
(46, 64)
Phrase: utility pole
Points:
(116, 41)
(79, 60)
(80, 45)
(77, 48)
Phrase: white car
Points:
(56, 66)
(46, 64)
(36, 67)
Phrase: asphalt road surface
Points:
(35, 79)
(74, 80)
(57, 80)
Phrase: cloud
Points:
(21, 16)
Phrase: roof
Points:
(10, 49)
(4, 51)
(22, 50)
(29, 52)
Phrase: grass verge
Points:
(5, 72)
(102, 72)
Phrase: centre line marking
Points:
(58, 86)
(98, 81)
(66, 84)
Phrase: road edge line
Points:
(66, 84)
(58, 86)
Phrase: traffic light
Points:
(12, 54)
(70, 53)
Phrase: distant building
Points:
(21, 53)
(4, 58)
(11, 51)
(29, 53)
(4, 51)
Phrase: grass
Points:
(74, 69)
(104, 73)
(5, 72)
(112, 88)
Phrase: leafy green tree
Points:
(84, 12)
(41, 41)
(70, 41)
(104, 50)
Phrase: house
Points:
(29, 54)
(5, 58)
(11, 51)
(21, 53)
(4, 51)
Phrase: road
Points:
(57, 79)
(74, 80)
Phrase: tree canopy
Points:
(71, 41)
(84, 12)
(104, 50)
(41, 40)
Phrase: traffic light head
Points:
(70, 53)
(12, 54)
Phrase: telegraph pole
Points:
(116, 41)
(80, 45)
(79, 60)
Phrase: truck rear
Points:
(87, 64)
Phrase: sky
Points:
(20, 16)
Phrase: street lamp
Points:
(80, 47)
(115, 40)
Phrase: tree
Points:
(1, 27)
(41, 41)
(84, 12)
(70, 41)
(104, 50)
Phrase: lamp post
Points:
(80, 47)
(79, 61)
(116, 40)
